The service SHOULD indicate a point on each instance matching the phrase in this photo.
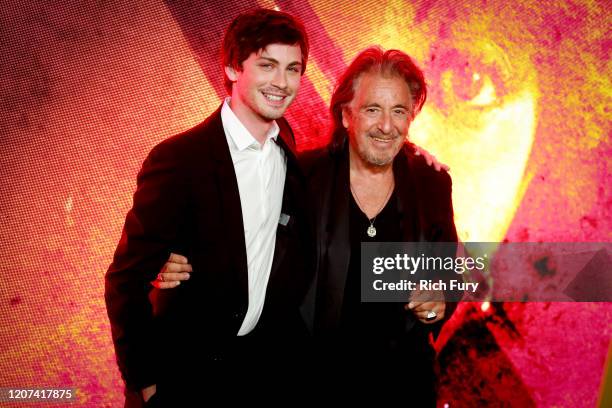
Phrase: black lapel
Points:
(229, 195)
(337, 247)
(408, 198)
(286, 140)
(291, 190)
(408, 205)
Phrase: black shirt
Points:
(374, 328)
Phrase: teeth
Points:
(275, 98)
(378, 139)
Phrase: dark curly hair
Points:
(254, 30)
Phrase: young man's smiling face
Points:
(267, 83)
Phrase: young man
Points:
(229, 195)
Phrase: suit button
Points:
(237, 315)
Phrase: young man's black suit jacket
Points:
(187, 202)
(426, 215)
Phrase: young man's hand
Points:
(430, 159)
(148, 392)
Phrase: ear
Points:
(346, 114)
(231, 73)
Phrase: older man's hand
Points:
(427, 305)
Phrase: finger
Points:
(165, 285)
(419, 306)
(438, 165)
(419, 297)
(423, 315)
(430, 306)
(171, 267)
(177, 258)
(413, 304)
(432, 160)
(171, 277)
(426, 296)
(426, 306)
(168, 285)
(424, 320)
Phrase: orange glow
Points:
(485, 134)
(323, 86)
(518, 106)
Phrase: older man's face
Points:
(377, 118)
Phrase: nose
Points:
(384, 123)
(280, 79)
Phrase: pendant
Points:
(371, 231)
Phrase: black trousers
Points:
(250, 367)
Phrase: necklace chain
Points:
(371, 231)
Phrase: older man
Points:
(369, 186)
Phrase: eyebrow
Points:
(376, 105)
(294, 63)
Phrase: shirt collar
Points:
(238, 133)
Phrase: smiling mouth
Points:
(274, 98)
(383, 140)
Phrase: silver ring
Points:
(431, 315)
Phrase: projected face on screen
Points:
(518, 106)
(480, 115)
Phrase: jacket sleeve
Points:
(146, 241)
(446, 233)
(450, 234)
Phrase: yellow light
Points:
(320, 82)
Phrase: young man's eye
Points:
(295, 69)
(266, 66)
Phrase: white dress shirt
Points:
(260, 172)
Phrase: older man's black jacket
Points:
(426, 215)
